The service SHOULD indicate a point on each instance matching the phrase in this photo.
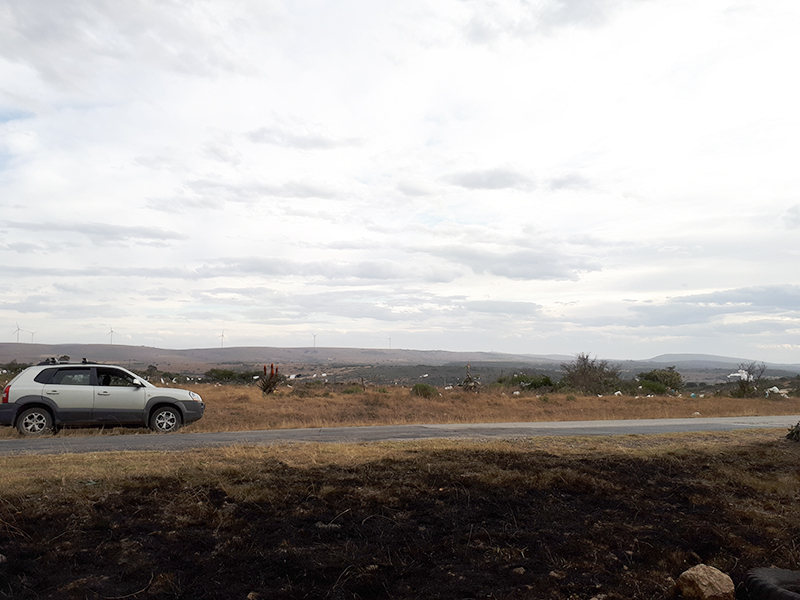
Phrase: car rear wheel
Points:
(165, 420)
(34, 421)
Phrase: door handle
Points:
(52, 392)
(103, 393)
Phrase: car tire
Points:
(35, 421)
(165, 420)
(773, 584)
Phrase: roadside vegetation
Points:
(590, 390)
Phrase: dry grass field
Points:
(231, 408)
(600, 518)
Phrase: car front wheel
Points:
(165, 420)
(34, 421)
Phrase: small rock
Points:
(702, 582)
(518, 571)
(253, 596)
(3, 558)
(558, 574)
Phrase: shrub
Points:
(654, 387)
(794, 433)
(423, 390)
(353, 389)
(590, 375)
(315, 387)
(13, 367)
(669, 378)
(227, 376)
(527, 382)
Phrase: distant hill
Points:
(201, 359)
(378, 365)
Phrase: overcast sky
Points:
(617, 177)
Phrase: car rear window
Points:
(44, 375)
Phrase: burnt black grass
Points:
(548, 518)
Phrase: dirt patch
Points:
(440, 520)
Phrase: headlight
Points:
(195, 397)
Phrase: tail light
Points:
(5, 394)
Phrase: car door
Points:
(117, 399)
(71, 390)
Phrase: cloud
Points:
(290, 189)
(162, 272)
(411, 189)
(104, 233)
(492, 179)
(492, 21)
(372, 270)
(26, 248)
(791, 218)
(65, 41)
(402, 305)
(524, 264)
(504, 307)
(705, 308)
(55, 307)
(570, 181)
(770, 298)
(222, 152)
(299, 137)
(559, 13)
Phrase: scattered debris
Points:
(470, 383)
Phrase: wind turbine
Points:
(17, 331)
(222, 339)
(32, 334)
(111, 333)
(315, 339)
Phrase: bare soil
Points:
(564, 519)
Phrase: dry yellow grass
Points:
(244, 408)
(230, 466)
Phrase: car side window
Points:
(114, 378)
(72, 377)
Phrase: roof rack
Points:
(55, 361)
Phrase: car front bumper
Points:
(192, 411)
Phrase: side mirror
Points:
(138, 382)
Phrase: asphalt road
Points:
(186, 441)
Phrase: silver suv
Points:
(53, 395)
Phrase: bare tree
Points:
(750, 375)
